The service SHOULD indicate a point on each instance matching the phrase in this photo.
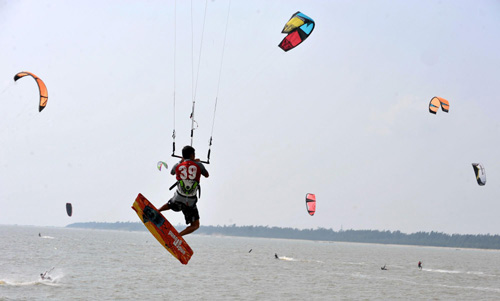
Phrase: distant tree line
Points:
(437, 239)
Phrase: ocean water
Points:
(118, 265)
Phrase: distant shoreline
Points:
(430, 239)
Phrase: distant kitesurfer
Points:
(250, 250)
(39, 235)
(276, 256)
(384, 268)
(420, 265)
(45, 277)
(188, 173)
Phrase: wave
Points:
(459, 272)
(55, 278)
(6, 282)
(286, 258)
(441, 271)
(480, 274)
(312, 260)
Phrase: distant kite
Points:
(69, 209)
(480, 173)
(311, 203)
(44, 96)
(298, 28)
(436, 102)
(160, 164)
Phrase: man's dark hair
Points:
(187, 151)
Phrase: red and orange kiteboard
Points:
(160, 227)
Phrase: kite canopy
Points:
(44, 96)
(160, 164)
(436, 102)
(298, 28)
(311, 203)
(480, 173)
(69, 209)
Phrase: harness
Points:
(195, 186)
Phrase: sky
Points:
(344, 115)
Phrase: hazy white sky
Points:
(344, 115)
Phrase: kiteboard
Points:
(162, 230)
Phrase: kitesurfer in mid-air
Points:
(188, 173)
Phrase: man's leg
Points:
(191, 228)
(164, 207)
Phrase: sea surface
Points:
(118, 265)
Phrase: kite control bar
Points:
(180, 157)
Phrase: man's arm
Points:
(204, 171)
(172, 172)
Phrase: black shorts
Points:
(190, 212)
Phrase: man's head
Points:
(188, 152)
